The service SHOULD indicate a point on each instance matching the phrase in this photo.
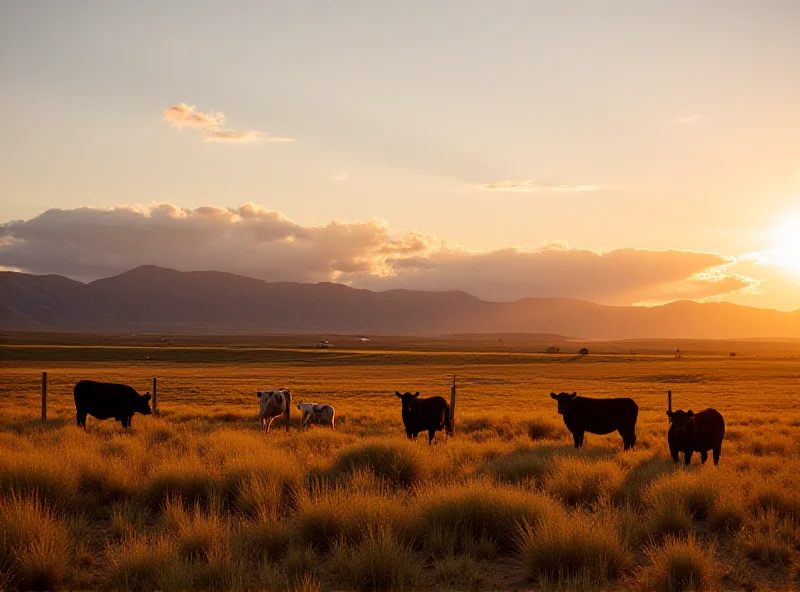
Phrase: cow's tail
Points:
(448, 424)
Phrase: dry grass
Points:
(202, 499)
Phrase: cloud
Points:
(689, 118)
(89, 243)
(211, 124)
(530, 186)
(184, 115)
(342, 177)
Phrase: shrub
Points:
(559, 552)
(680, 564)
(257, 540)
(579, 483)
(300, 563)
(398, 463)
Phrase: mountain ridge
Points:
(152, 298)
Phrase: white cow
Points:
(272, 404)
(318, 414)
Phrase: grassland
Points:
(200, 498)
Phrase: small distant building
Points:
(324, 344)
(732, 354)
(553, 349)
(363, 339)
(584, 351)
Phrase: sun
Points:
(786, 241)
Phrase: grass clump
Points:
(457, 572)
(200, 535)
(35, 546)
(539, 428)
(696, 491)
(521, 466)
(580, 551)
(325, 517)
(380, 562)
(479, 512)
(680, 564)
(398, 463)
(140, 563)
(770, 539)
(579, 483)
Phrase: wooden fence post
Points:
(453, 405)
(155, 398)
(44, 396)
(669, 401)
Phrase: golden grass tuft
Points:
(577, 482)
(578, 551)
(479, 511)
(396, 461)
(381, 561)
(770, 539)
(680, 564)
(35, 546)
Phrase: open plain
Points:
(201, 498)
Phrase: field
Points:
(200, 498)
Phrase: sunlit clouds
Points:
(89, 243)
(340, 177)
(211, 126)
(530, 186)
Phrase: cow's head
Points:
(143, 404)
(679, 420)
(564, 401)
(300, 404)
(406, 398)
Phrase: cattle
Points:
(316, 414)
(272, 404)
(102, 400)
(598, 416)
(430, 414)
(691, 432)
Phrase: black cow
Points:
(102, 400)
(598, 416)
(691, 432)
(420, 415)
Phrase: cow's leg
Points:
(687, 457)
(81, 416)
(269, 423)
(628, 439)
(130, 421)
(577, 437)
(704, 456)
(717, 451)
(675, 454)
(431, 436)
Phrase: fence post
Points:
(669, 400)
(155, 398)
(453, 405)
(44, 396)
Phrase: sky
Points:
(624, 152)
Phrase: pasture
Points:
(200, 498)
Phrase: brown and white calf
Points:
(272, 404)
(318, 414)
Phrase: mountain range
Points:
(155, 299)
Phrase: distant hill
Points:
(155, 299)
